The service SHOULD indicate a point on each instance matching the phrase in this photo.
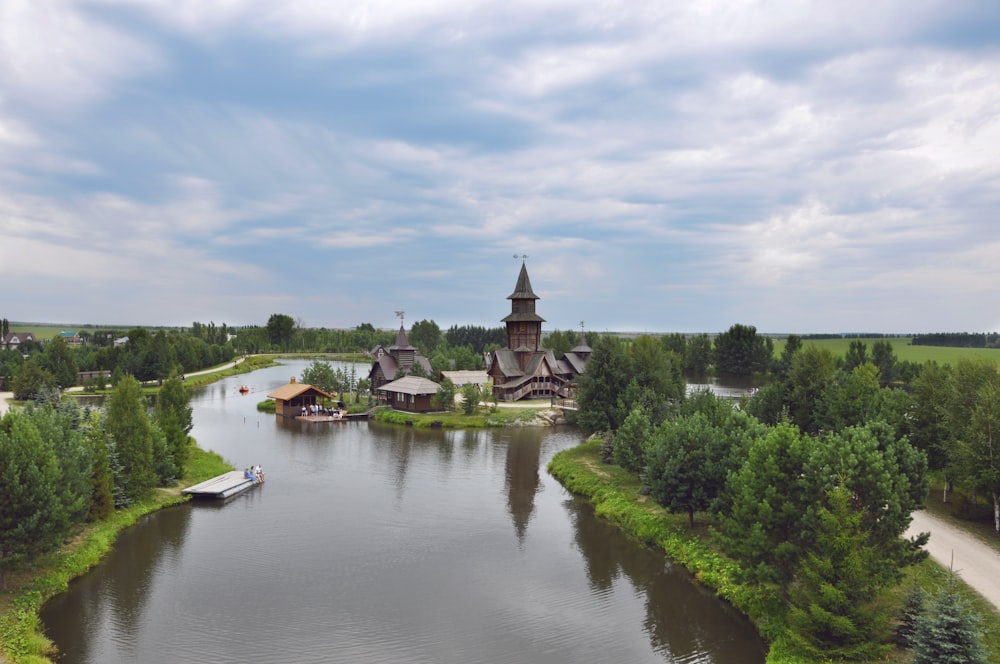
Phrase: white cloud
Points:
(55, 59)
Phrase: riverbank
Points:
(616, 497)
(22, 639)
(483, 419)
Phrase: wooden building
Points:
(410, 393)
(291, 399)
(524, 370)
(398, 361)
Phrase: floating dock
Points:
(223, 486)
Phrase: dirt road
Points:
(977, 563)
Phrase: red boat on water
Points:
(244, 389)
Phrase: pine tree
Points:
(833, 612)
(32, 518)
(129, 428)
(174, 417)
(948, 633)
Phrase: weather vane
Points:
(522, 256)
(399, 315)
(581, 327)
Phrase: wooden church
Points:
(525, 370)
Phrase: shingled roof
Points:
(522, 290)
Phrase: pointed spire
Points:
(522, 291)
(402, 343)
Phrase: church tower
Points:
(524, 326)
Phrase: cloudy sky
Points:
(665, 166)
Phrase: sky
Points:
(797, 166)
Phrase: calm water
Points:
(380, 544)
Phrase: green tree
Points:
(833, 615)
(887, 481)
(857, 354)
(771, 495)
(812, 374)
(322, 375)
(685, 467)
(102, 503)
(793, 344)
(629, 442)
(967, 380)
(855, 400)
(690, 458)
(174, 417)
(560, 342)
(471, 395)
(928, 414)
(280, 328)
(655, 369)
(698, 355)
(979, 449)
(129, 428)
(602, 386)
(58, 360)
(948, 632)
(884, 357)
(444, 399)
(740, 352)
(31, 516)
(59, 425)
(31, 379)
(426, 335)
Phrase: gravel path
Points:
(3, 401)
(977, 563)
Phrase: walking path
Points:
(975, 562)
(4, 396)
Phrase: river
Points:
(383, 544)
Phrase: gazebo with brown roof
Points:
(291, 398)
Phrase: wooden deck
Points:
(344, 417)
(223, 486)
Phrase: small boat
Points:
(244, 389)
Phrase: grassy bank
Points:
(22, 640)
(483, 419)
(616, 497)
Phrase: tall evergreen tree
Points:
(602, 386)
(173, 415)
(833, 614)
(130, 430)
(102, 502)
(59, 426)
(32, 518)
(772, 495)
(948, 633)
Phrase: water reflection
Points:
(522, 483)
(97, 606)
(693, 629)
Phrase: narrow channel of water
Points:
(372, 543)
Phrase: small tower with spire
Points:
(524, 326)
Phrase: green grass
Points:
(903, 349)
(22, 640)
(484, 418)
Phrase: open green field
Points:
(904, 351)
(44, 331)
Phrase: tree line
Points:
(146, 355)
(62, 465)
(808, 486)
(958, 340)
